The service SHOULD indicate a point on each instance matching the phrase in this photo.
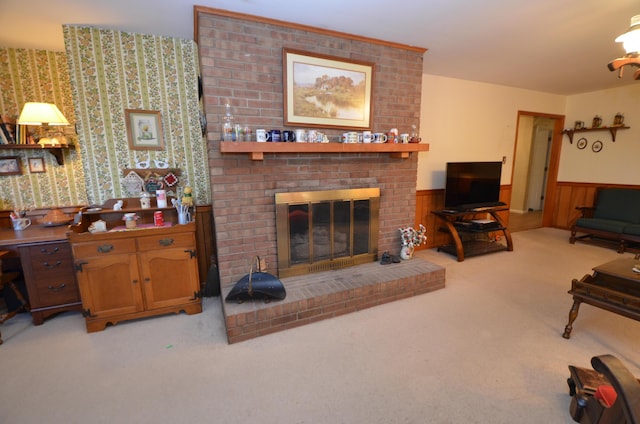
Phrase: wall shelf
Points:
(56, 151)
(612, 130)
(256, 150)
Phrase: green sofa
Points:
(614, 219)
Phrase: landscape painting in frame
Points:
(326, 91)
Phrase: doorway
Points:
(535, 167)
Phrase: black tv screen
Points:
(471, 185)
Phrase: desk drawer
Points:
(49, 252)
(167, 241)
(49, 275)
(56, 291)
(103, 248)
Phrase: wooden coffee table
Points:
(613, 286)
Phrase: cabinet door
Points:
(169, 277)
(109, 285)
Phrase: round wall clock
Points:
(582, 143)
(596, 146)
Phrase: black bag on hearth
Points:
(257, 285)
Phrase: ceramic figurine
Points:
(187, 198)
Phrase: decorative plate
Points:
(582, 143)
(596, 146)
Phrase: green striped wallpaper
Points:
(111, 71)
(39, 76)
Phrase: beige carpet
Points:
(486, 349)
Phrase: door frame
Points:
(554, 162)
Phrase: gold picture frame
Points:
(144, 129)
(10, 165)
(326, 91)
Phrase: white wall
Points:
(616, 163)
(465, 120)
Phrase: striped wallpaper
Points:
(39, 76)
(111, 71)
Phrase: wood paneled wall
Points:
(431, 200)
(568, 196)
(571, 195)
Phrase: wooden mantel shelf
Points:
(257, 150)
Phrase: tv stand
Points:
(466, 231)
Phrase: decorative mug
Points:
(262, 135)
(20, 223)
(288, 136)
(275, 136)
(367, 137)
(379, 138)
(184, 217)
(404, 138)
(301, 136)
(352, 137)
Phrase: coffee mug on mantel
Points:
(262, 135)
(275, 136)
(288, 135)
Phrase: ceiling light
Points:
(631, 42)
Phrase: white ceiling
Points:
(552, 46)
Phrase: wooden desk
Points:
(34, 234)
(44, 255)
(613, 286)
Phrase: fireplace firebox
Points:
(328, 229)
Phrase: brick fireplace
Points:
(241, 59)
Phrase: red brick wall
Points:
(241, 59)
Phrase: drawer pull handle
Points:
(46, 252)
(166, 241)
(48, 265)
(57, 289)
(105, 248)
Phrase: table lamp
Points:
(44, 115)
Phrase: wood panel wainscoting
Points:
(570, 195)
(431, 200)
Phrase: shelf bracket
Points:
(58, 154)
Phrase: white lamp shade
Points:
(41, 113)
(631, 39)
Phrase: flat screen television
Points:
(472, 185)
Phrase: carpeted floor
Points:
(486, 349)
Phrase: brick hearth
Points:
(314, 297)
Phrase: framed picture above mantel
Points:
(326, 91)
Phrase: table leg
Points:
(573, 314)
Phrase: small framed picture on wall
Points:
(36, 165)
(144, 129)
(10, 165)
